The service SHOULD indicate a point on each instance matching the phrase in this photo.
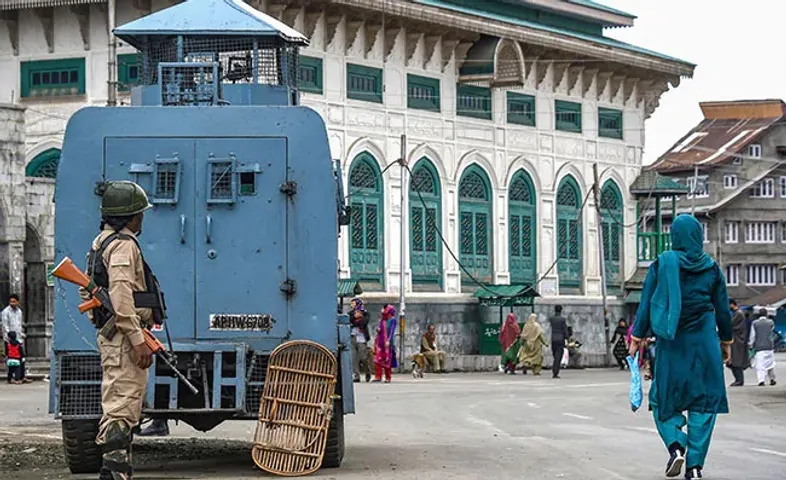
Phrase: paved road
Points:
(478, 426)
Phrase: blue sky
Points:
(736, 47)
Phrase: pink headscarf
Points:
(509, 332)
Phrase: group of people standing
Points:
(382, 353)
(524, 346)
(753, 340)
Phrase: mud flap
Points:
(345, 357)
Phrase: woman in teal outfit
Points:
(685, 305)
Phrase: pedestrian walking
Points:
(510, 343)
(532, 343)
(763, 343)
(359, 318)
(559, 336)
(385, 347)
(740, 359)
(685, 304)
(620, 345)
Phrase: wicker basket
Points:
(295, 409)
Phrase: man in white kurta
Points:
(762, 341)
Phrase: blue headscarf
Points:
(687, 253)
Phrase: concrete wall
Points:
(459, 328)
(12, 200)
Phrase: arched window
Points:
(475, 224)
(611, 214)
(44, 164)
(569, 236)
(522, 236)
(366, 236)
(425, 201)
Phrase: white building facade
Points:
(505, 109)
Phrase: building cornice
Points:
(446, 18)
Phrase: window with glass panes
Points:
(567, 116)
(731, 232)
(610, 123)
(763, 189)
(569, 237)
(475, 224)
(53, 78)
(611, 209)
(521, 109)
(310, 74)
(473, 101)
(760, 232)
(364, 83)
(522, 229)
(366, 236)
(423, 93)
(760, 275)
(425, 201)
(129, 71)
(732, 275)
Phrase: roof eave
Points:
(454, 18)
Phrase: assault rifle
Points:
(99, 297)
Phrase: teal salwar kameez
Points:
(685, 304)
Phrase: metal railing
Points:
(652, 244)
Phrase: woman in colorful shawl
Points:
(620, 343)
(685, 304)
(532, 343)
(509, 340)
(385, 348)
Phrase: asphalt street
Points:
(456, 426)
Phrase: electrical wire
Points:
(469, 275)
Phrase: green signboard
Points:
(50, 279)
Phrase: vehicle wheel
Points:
(334, 449)
(79, 442)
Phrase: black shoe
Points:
(773, 383)
(159, 428)
(555, 376)
(761, 384)
(692, 473)
(368, 377)
(356, 379)
(675, 463)
(737, 384)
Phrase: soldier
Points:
(116, 262)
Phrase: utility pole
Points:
(602, 255)
(694, 191)
(111, 83)
(402, 322)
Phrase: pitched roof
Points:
(208, 17)
(727, 128)
(770, 297)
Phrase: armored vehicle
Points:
(243, 230)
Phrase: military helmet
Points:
(123, 199)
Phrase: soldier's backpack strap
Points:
(153, 296)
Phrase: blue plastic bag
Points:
(636, 394)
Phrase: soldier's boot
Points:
(117, 453)
(158, 428)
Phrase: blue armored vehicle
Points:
(243, 230)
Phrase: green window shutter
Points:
(521, 109)
(310, 74)
(567, 116)
(473, 101)
(44, 165)
(129, 71)
(522, 261)
(53, 78)
(610, 123)
(475, 224)
(366, 235)
(569, 235)
(425, 201)
(364, 83)
(611, 211)
(423, 93)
